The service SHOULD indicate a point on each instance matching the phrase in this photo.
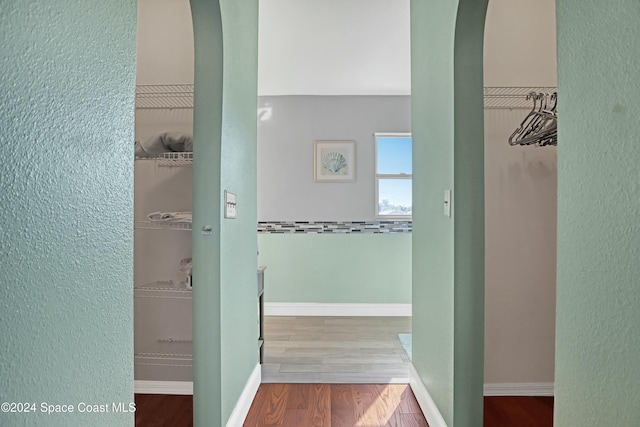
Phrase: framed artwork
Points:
(334, 161)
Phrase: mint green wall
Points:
(66, 222)
(598, 297)
(238, 241)
(225, 264)
(448, 253)
(337, 268)
(207, 136)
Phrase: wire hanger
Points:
(540, 126)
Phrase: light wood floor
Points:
(335, 350)
(335, 405)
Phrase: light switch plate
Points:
(229, 205)
(447, 203)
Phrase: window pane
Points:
(394, 155)
(394, 197)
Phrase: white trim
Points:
(163, 387)
(519, 389)
(320, 309)
(243, 405)
(428, 406)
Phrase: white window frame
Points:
(379, 176)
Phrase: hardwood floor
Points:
(156, 410)
(335, 350)
(518, 411)
(164, 410)
(335, 405)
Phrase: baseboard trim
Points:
(163, 387)
(320, 309)
(243, 405)
(519, 389)
(428, 406)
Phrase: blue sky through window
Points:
(394, 155)
(394, 158)
(396, 191)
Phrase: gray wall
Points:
(287, 127)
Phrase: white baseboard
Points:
(519, 389)
(163, 387)
(243, 405)
(319, 309)
(428, 406)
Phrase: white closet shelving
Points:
(167, 352)
(162, 315)
(170, 160)
(511, 97)
(153, 225)
(164, 97)
(163, 289)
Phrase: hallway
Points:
(335, 350)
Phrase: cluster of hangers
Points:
(540, 127)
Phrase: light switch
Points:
(229, 205)
(447, 203)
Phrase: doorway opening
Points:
(332, 76)
(163, 327)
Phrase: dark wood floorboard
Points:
(341, 405)
(518, 411)
(164, 410)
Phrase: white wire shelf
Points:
(169, 160)
(163, 289)
(180, 96)
(164, 97)
(166, 352)
(512, 97)
(158, 225)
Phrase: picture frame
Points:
(334, 161)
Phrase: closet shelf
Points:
(169, 160)
(153, 225)
(164, 97)
(163, 289)
(166, 352)
(180, 96)
(512, 97)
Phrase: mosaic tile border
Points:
(335, 227)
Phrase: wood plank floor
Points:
(518, 411)
(335, 405)
(335, 350)
(157, 410)
(164, 410)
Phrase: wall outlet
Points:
(229, 205)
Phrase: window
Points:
(393, 175)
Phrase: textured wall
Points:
(66, 185)
(448, 253)
(343, 268)
(598, 345)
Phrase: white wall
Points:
(520, 201)
(165, 42)
(334, 47)
(520, 43)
